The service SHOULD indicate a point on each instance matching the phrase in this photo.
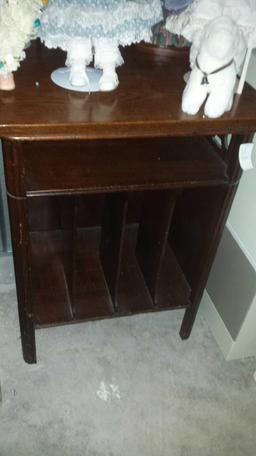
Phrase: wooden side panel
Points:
(68, 223)
(198, 226)
(14, 167)
(153, 233)
(112, 239)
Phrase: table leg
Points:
(213, 203)
(21, 254)
(204, 223)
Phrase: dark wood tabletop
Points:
(147, 103)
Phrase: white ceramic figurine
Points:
(215, 57)
(89, 29)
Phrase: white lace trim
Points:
(108, 20)
(126, 38)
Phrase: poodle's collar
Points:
(205, 75)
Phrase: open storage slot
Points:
(99, 166)
(154, 226)
(88, 272)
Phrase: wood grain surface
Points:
(146, 103)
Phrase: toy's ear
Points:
(196, 44)
(241, 47)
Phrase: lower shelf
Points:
(52, 304)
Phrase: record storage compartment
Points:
(108, 246)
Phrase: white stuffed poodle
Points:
(216, 56)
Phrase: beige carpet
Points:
(122, 387)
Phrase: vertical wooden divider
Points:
(68, 224)
(112, 239)
(157, 211)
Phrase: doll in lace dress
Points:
(96, 28)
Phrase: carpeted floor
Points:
(122, 387)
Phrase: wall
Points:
(229, 305)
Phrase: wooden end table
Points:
(117, 200)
